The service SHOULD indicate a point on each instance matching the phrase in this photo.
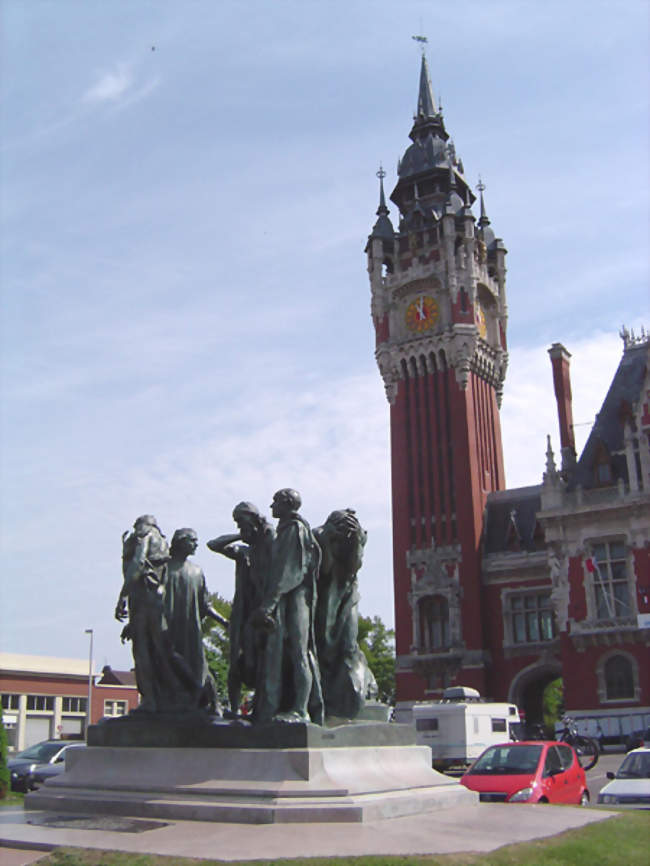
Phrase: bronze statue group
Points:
(293, 625)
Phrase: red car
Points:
(535, 771)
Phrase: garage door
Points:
(71, 725)
(37, 729)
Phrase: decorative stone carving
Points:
(434, 572)
(559, 572)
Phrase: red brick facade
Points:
(47, 698)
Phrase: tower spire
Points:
(483, 219)
(426, 102)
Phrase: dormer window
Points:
(603, 473)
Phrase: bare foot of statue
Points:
(292, 717)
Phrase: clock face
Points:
(481, 324)
(422, 314)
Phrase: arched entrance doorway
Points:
(527, 689)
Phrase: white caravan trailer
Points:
(461, 726)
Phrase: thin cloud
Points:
(120, 88)
(111, 86)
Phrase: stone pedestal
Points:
(324, 775)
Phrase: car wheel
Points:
(584, 798)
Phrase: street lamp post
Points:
(90, 682)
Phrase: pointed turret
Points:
(383, 228)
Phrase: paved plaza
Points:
(476, 828)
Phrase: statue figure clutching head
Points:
(251, 549)
(346, 678)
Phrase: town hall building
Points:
(500, 589)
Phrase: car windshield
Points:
(510, 760)
(635, 766)
(41, 752)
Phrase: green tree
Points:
(4, 769)
(378, 645)
(553, 705)
(217, 645)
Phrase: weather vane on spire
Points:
(422, 40)
(480, 186)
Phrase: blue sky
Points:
(186, 192)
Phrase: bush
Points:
(4, 769)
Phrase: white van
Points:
(460, 726)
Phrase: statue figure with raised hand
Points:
(345, 676)
(289, 687)
(250, 548)
(186, 604)
(145, 556)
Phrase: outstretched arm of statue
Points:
(223, 622)
(226, 544)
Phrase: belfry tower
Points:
(439, 310)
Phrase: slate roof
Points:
(116, 678)
(511, 521)
(608, 430)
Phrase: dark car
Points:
(637, 740)
(534, 771)
(45, 754)
(43, 772)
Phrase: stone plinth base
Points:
(203, 732)
(252, 785)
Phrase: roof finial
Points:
(422, 40)
(483, 220)
(551, 475)
(381, 174)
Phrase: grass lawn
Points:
(12, 799)
(619, 841)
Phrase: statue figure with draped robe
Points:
(345, 676)
(289, 684)
(187, 604)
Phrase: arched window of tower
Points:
(433, 612)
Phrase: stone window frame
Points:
(111, 703)
(445, 625)
(507, 595)
(76, 705)
(602, 682)
(40, 704)
(589, 578)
